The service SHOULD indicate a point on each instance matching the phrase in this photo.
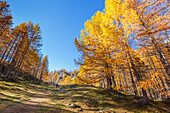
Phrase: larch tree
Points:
(19, 46)
(127, 44)
(44, 69)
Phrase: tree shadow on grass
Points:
(109, 98)
(18, 107)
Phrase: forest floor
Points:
(25, 97)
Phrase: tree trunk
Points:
(145, 97)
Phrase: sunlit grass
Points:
(43, 109)
(59, 104)
(83, 96)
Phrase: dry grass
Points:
(32, 98)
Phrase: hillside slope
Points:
(32, 98)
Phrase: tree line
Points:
(126, 47)
(20, 48)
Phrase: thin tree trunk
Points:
(145, 97)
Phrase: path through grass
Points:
(33, 98)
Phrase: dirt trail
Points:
(50, 100)
(32, 98)
(40, 99)
(28, 99)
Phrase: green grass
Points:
(59, 104)
(43, 109)
(24, 99)
(30, 94)
(7, 99)
(86, 97)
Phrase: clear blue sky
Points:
(60, 22)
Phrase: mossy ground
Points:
(33, 98)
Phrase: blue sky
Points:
(60, 22)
